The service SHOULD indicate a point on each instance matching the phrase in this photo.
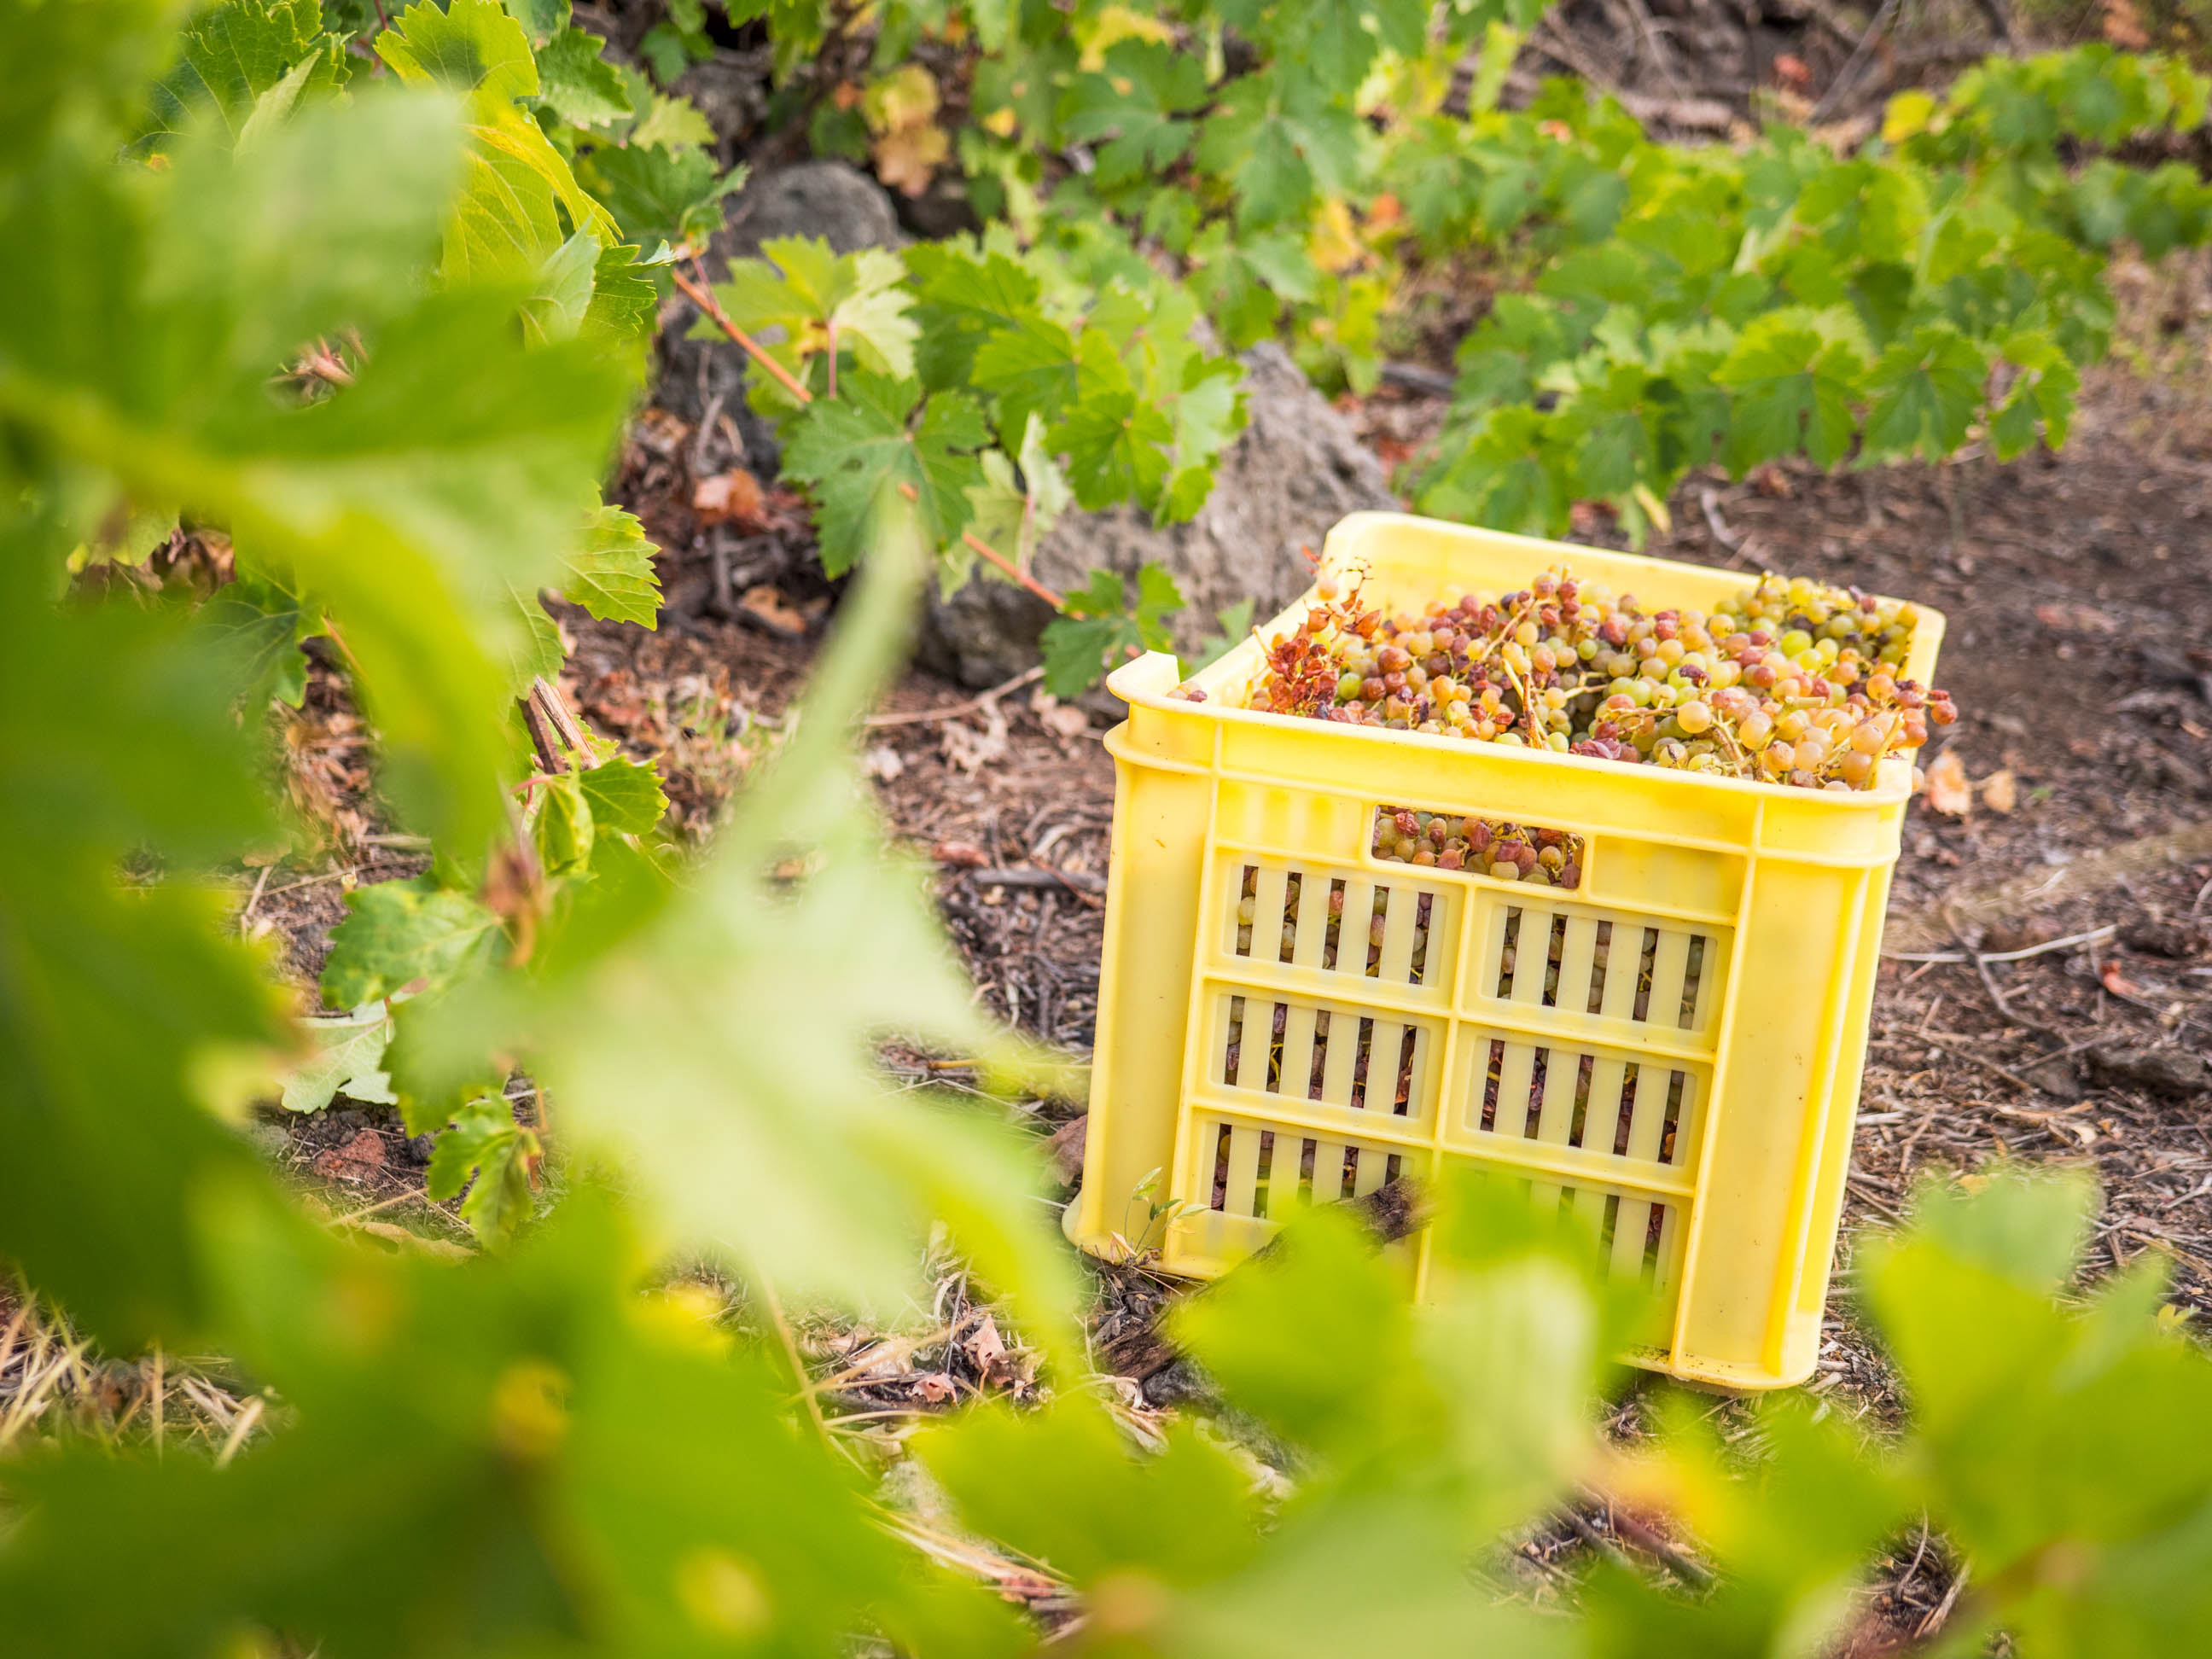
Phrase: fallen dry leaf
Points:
(772, 610)
(1066, 1149)
(1947, 790)
(884, 763)
(2123, 26)
(987, 1347)
(971, 749)
(1058, 718)
(934, 1387)
(909, 158)
(732, 494)
(2000, 791)
(960, 854)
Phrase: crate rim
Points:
(1147, 682)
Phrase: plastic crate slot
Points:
(1693, 973)
(1591, 1102)
(1508, 954)
(1641, 1009)
(1298, 917)
(1600, 950)
(1633, 1238)
(1555, 947)
(1337, 1058)
(1264, 1175)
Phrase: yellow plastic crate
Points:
(1691, 1100)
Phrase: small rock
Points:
(2158, 938)
(357, 1159)
(833, 200)
(271, 1140)
(2173, 1072)
(1178, 1383)
(419, 1148)
(2005, 937)
(2056, 1078)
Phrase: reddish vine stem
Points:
(984, 549)
(700, 296)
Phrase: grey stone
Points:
(833, 200)
(1295, 469)
(829, 199)
(730, 90)
(2173, 1072)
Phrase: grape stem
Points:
(982, 549)
(704, 299)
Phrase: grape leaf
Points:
(1061, 1486)
(1117, 448)
(857, 452)
(659, 192)
(1037, 366)
(610, 575)
(578, 85)
(1281, 142)
(484, 1142)
(1502, 473)
(623, 302)
(625, 796)
(2044, 386)
(1926, 389)
(454, 487)
(507, 217)
(348, 1060)
(233, 55)
(398, 932)
(122, 741)
(1137, 104)
(537, 1453)
(263, 626)
(1012, 514)
(1099, 627)
(1796, 376)
(541, 20)
(674, 123)
(699, 1053)
(562, 827)
(561, 298)
(813, 296)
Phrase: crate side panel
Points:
(1773, 1057)
(1181, 734)
(1144, 991)
(1835, 1156)
(1630, 870)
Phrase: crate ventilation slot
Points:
(1652, 976)
(1346, 925)
(1598, 1103)
(1365, 1062)
(1265, 1174)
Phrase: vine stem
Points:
(982, 549)
(704, 299)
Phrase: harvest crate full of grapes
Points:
(1563, 863)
